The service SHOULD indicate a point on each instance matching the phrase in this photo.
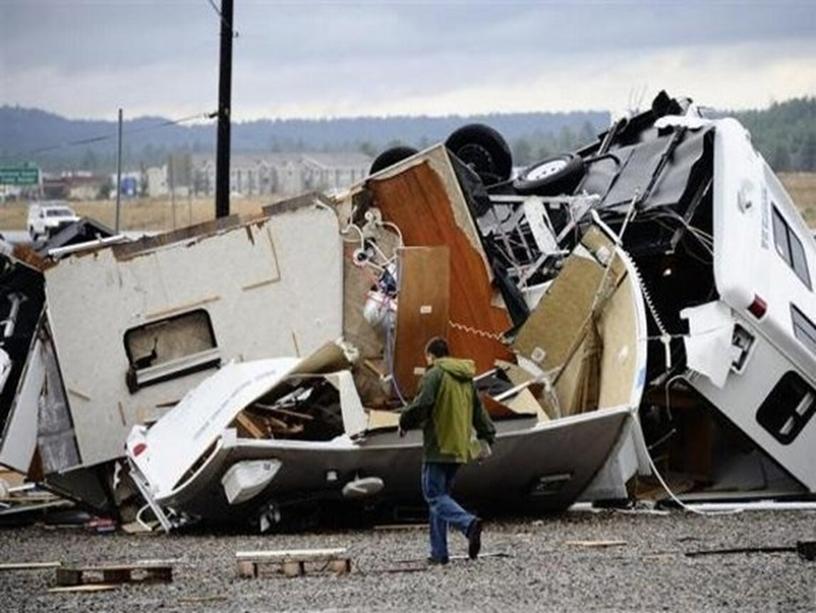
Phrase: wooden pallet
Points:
(111, 574)
(294, 562)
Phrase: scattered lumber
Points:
(732, 550)
(248, 425)
(28, 565)
(601, 543)
(113, 574)
(294, 562)
(285, 412)
(91, 587)
(805, 549)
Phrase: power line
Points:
(215, 8)
(107, 137)
(221, 16)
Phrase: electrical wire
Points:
(665, 336)
(108, 137)
(395, 227)
(679, 502)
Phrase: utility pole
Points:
(119, 174)
(172, 176)
(222, 158)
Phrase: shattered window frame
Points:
(143, 375)
(790, 248)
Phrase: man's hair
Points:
(437, 347)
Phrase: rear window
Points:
(59, 213)
(788, 408)
(790, 248)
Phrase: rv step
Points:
(117, 573)
(294, 562)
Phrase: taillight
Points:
(138, 449)
(758, 307)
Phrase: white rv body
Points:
(768, 306)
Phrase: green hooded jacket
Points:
(448, 410)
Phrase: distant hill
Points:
(57, 142)
(785, 133)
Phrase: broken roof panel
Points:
(138, 325)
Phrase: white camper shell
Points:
(752, 353)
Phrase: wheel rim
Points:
(547, 169)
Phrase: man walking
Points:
(448, 409)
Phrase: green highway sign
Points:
(21, 174)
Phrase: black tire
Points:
(559, 174)
(484, 150)
(391, 156)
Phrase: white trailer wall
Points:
(271, 288)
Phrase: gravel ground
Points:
(540, 572)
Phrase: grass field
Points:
(146, 214)
(138, 214)
(802, 188)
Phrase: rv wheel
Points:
(555, 175)
(484, 150)
(389, 157)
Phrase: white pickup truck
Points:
(46, 218)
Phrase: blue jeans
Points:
(437, 482)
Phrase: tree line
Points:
(785, 134)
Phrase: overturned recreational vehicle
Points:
(724, 264)
(642, 304)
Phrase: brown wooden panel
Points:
(422, 310)
(417, 202)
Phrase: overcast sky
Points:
(85, 58)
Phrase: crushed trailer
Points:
(642, 306)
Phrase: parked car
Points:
(46, 218)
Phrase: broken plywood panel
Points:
(549, 335)
(584, 331)
(422, 312)
(430, 214)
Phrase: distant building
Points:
(10, 192)
(327, 171)
(282, 173)
(130, 187)
(83, 185)
(156, 177)
(54, 187)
